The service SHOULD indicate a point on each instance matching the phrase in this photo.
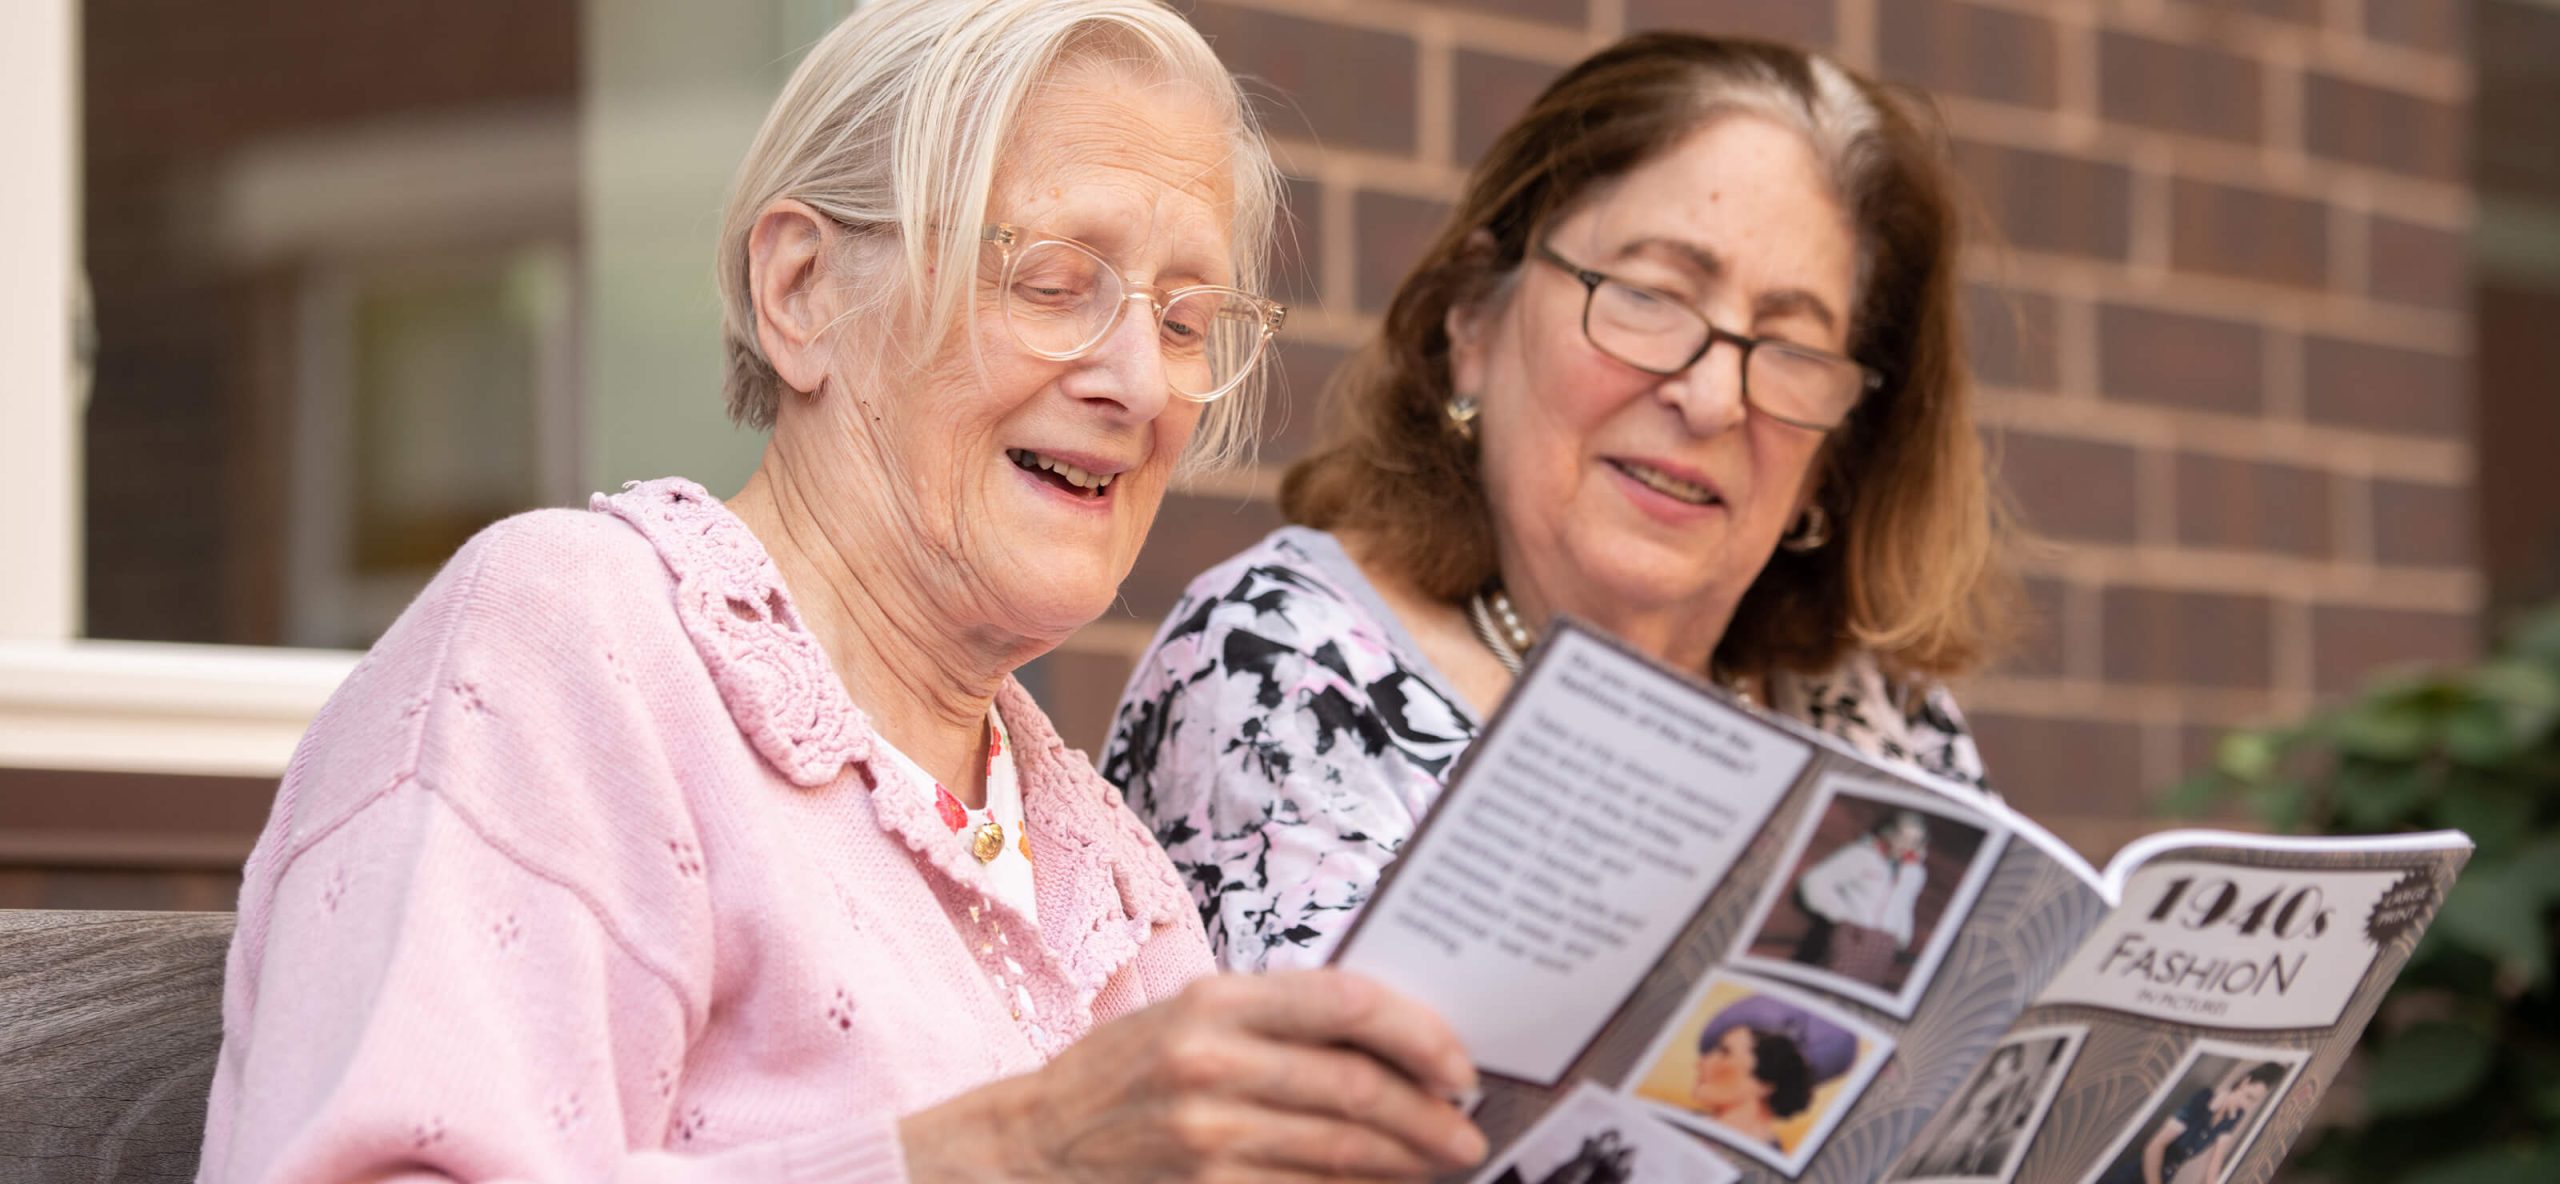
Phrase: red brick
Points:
(2440, 26)
(1081, 692)
(2049, 766)
(1957, 48)
(2385, 129)
(2194, 639)
(2418, 525)
(2245, 505)
(2045, 202)
(1493, 91)
(2360, 384)
(1809, 23)
(2412, 264)
(2301, 12)
(2010, 337)
(1297, 255)
(2519, 487)
(2350, 645)
(2072, 489)
(2170, 358)
(1192, 534)
(2042, 645)
(1343, 87)
(1561, 12)
(1389, 232)
(2515, 90)
(2179, 88)
(2248, 234)
(1293, 417)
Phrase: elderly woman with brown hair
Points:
(1685, 363)
(676, 840)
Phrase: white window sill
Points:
(149, 707)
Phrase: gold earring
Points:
(1811, 530)
(1462, 411)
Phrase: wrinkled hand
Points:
(1318, 1075)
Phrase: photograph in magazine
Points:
(2204, 1117)
(1879, 879)
(1759, 1066)
(1596, 1137)
(1997, 1113)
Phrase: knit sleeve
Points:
(474, 939)
(427, 1003)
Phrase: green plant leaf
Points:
(2491, 1165)
(2247, 755)
(2426, 1067)
(2394, 726)
(2487, 914)
(2477, 733)
(2373, 795)
(2526, 693)
(2496, 819)
(2196, 795)
(2279, 804)
(2536, 871)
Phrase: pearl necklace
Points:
(1499, 628)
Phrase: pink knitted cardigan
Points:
(581, 876)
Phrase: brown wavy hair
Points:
(1916, 568)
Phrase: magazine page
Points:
(2189, 1035)
(1638, 887)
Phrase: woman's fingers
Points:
(1334, 1007)
(1251, 1139)
(1346, 1086)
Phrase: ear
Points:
(788, 274)
(1466, 325)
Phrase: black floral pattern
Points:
(1284, 743)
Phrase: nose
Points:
(1708, 395)
(1125, 370)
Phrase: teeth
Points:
(1089, 482)
(1665, 483)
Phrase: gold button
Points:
(988, 842)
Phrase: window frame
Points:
(69, 702)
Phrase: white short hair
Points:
(892, 125)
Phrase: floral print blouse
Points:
(1284, 736)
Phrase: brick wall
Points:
(2224, 343)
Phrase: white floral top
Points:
(1284, 736)
(997, 825)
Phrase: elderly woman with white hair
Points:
(675, 840)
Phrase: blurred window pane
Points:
(332, 250)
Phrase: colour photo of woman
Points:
(1879, 880)
(1759, 1067)
(2204, 1118)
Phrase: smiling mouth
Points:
(1059, 473)
(1667, 485)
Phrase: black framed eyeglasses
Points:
(1658, 333)
(1061, 298)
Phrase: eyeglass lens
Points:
(1649, 332)
(1063, 300)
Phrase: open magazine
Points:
(1689, 942)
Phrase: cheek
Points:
(1783, 460)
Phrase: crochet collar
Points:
(1099, 897)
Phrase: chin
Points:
(1631, 573)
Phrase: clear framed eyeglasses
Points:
(1061, 298)
(1658, 333)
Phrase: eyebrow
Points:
(1711, 267)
